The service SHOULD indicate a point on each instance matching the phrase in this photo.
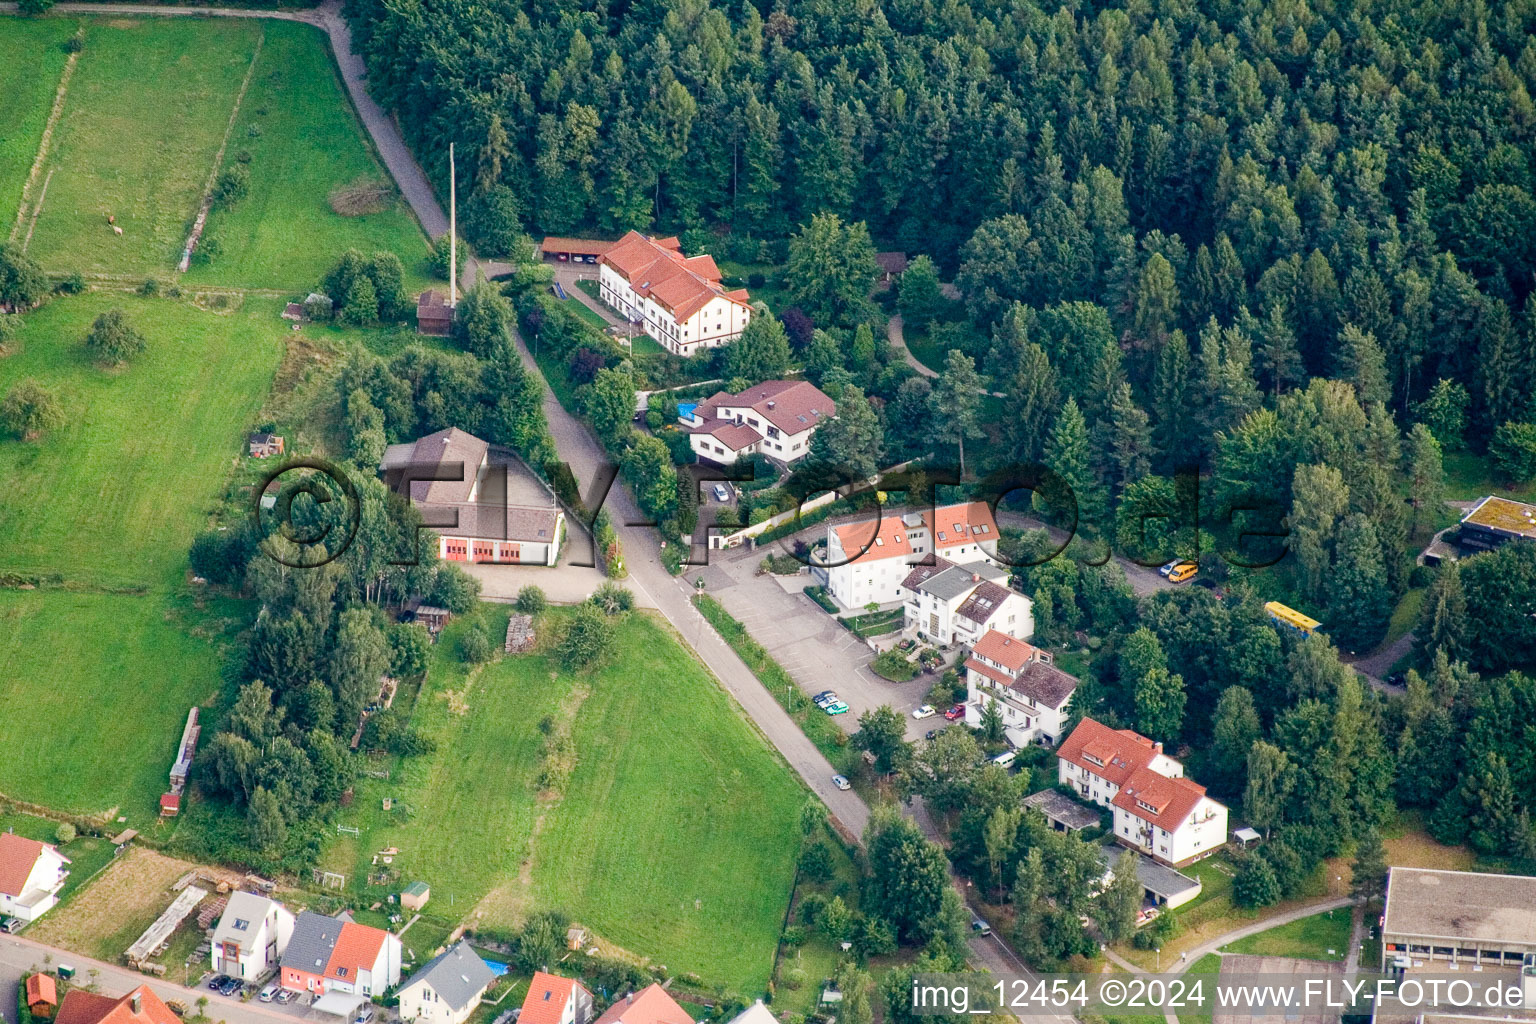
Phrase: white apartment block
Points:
(956, 604)
(776, 418)
(869, 561)
(1156, 810)
(677, 298)
(1030, 692)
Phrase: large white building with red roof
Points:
(775, 418)
(679, 299)
(869, 561)
(948, 603)
(31, 875)
(1031, 694)
(1156, 810)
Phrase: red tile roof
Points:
(791, 405)
(650, 1005)
(546, 999)
(1171, 800)
(41, 988)
(1112, 754)
(884, 538)
(1010, 652)
(960, 524)
(357, 948)
(655, 268)
(729, 433)
(82, 1007)
(17, 858)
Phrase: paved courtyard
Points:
(813, 648)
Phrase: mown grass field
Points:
(675, 836)
(29, 77)
(115, 495)
(284, 234)
(146, 112)
(1322, 936)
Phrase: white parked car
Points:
(270, 992)
(926, 711)
(841, 783)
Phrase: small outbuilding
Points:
(892, 265)
(433, 314)
(293, 311)
(170, 805)
(415, 896)
(1064, 813)
(42, 995)
(1245, 837)
(264, 446)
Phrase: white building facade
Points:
(251, 937)
(31, 875)
(776, 418)
(869, 561)
(1031, 694)
(678, 299)
(1156, 810)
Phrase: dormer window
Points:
(1093, 760)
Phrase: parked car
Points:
(980, 927)
(218, 981)
(721, 494)
(363, 1015)
(1005, 759)
(270, 992)
(926, 711)
(10, 924)
(835, 708)
(1183, 571)
(955, 713)
(231, 987)
(824, 698)
(287, 996)
(1165, 570)
(841, 783)
(931, 733)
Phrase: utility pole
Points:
(453, 233)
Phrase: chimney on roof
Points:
(771, 404)
(1157, 748)
(136, 1003)
(975, 577)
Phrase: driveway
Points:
(813, 648)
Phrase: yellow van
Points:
(1182, 572)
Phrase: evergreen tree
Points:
(1173, 429)
(1443, 625)
(852, 441)
(1067, 455)
(1234, 729)
(1363, 364)
(1488, 795)
(760, 353)
(1444, 412)
(1368, 873)
(1120, 901)
(956, 403)
(1160, 704)
(1359, 601)
(831, 270)
(1319, 502)
(920, 299)
(1426, 473)
(1030, 404)
(1131, 440)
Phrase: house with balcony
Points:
(343, 963)
(677, 299)
(1030, 692)
(948, 604)
(869, 560)
(776, 418)
(1156, 810)
(251, 937)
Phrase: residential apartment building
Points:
(336, 955)
(1156, 810)
(678, 299)
(251, 936)
(776, 418)
(956, 604)
(1030, 692)
(484, 504)
(869, 561)
(31, 875)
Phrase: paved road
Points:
(19, 954)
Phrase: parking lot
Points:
(813, 648)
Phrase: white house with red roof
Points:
(956, 604)
(775, 418)
(1030, 692)
(338, 956)
(552, 999)
(870, 560)
(651, 1005)
(1156, 810)
(31, 875)
(141, 1006)
(678, 298)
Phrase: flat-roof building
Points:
(1458, 917)
(1494, 521)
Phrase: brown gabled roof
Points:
(960, 524)
(579, 246)
(729, 433)
(17, 858)
(546, 998)
(987, 598)
(657, 269)
(451, 445)
(921, 574)
(82, 1007)
(651, 1005)
(1171, 800)
(1111, 754)
(891, 262)
(790, 405)
(433, 305)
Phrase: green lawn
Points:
(1469, 477)
(29, 77)
(100, 687)
(675, 837)
(284, 234)
(1310, 938)
(587, 313)
(87, 854)
(1406, 615)
(146, 112)
(115, 495)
